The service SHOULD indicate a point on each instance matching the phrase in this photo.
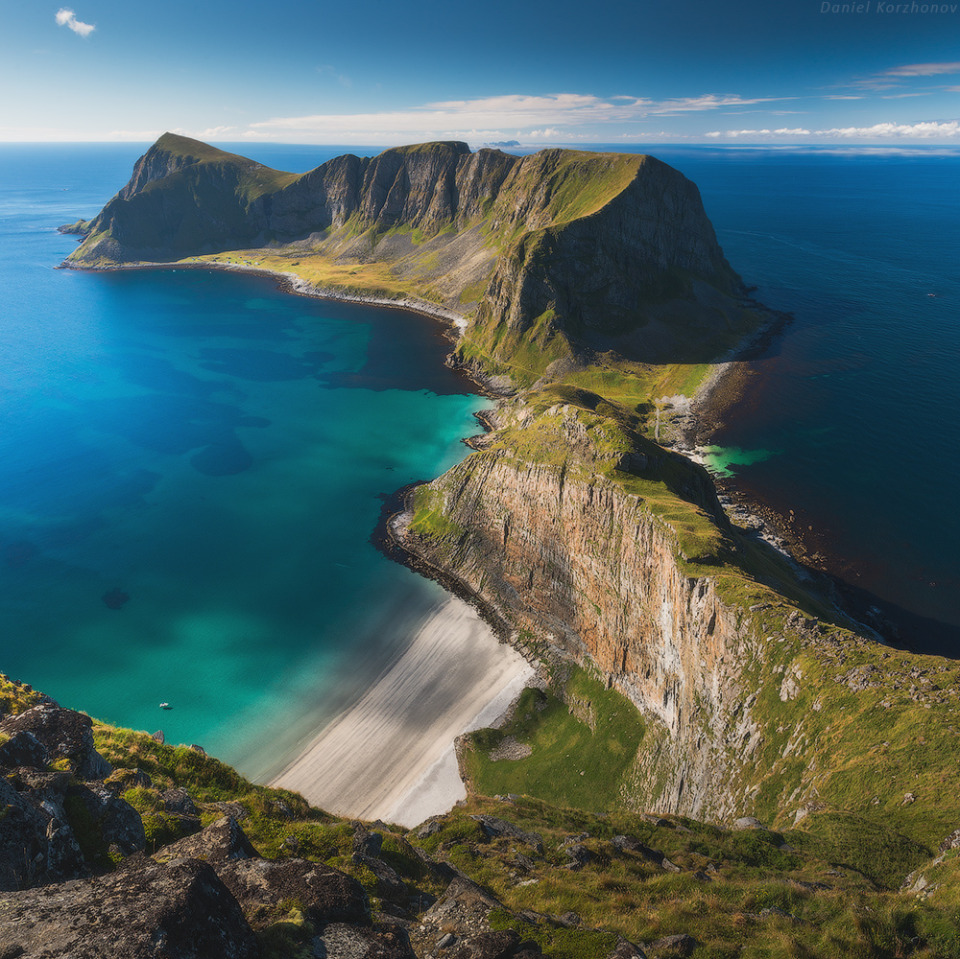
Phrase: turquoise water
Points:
(191, 466)
(727, 461)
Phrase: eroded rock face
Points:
(177, 911)
(118, 823)
(572, 558)
(48, 811)
(37, 845)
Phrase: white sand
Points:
(390, 755)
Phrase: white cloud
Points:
(67, 18)
(710, 102)
(925, 130)
(213, 133)
(923, 70)
(781, 132)
(533, 118)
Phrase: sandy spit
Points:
(390, 755)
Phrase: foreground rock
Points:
(46, 810)
(176, 911)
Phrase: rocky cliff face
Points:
(570, 552)
(590, 541)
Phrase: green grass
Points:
(429, 519)
(582, 747)
(880, 853)
(726, 882)
(17, 697)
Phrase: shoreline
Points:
(383, 757)
(289, 282)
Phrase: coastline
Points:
(333, 769)
(391, 754)
(290, 283)
(387, 756)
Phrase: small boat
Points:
(165, 706)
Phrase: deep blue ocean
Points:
(209, 455)
(852, 418)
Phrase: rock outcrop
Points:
(63, 837)
(178, 911)
(61, 820)
(548, 255)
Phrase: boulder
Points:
(178, 911)
(266, 888)
(951, 842)
(499, 828)
(117, 822)
(221, 841)
(463, 909)
(627, 950)
(367, 844)
(178, 801)
(429, 828)
(578, 854)
(341, 941)
(495, 945)
(630, 844)
(672, 947)
(65, 734)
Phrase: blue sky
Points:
(785, 71)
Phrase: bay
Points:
(191, 467)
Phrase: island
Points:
(718, 759)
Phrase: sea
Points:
(192, 463)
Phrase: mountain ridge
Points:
(547, 256)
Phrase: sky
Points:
(567, 71)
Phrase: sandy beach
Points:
(390, 755)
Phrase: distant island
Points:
(588, 292)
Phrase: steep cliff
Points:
(548, 255)
(595, 544)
